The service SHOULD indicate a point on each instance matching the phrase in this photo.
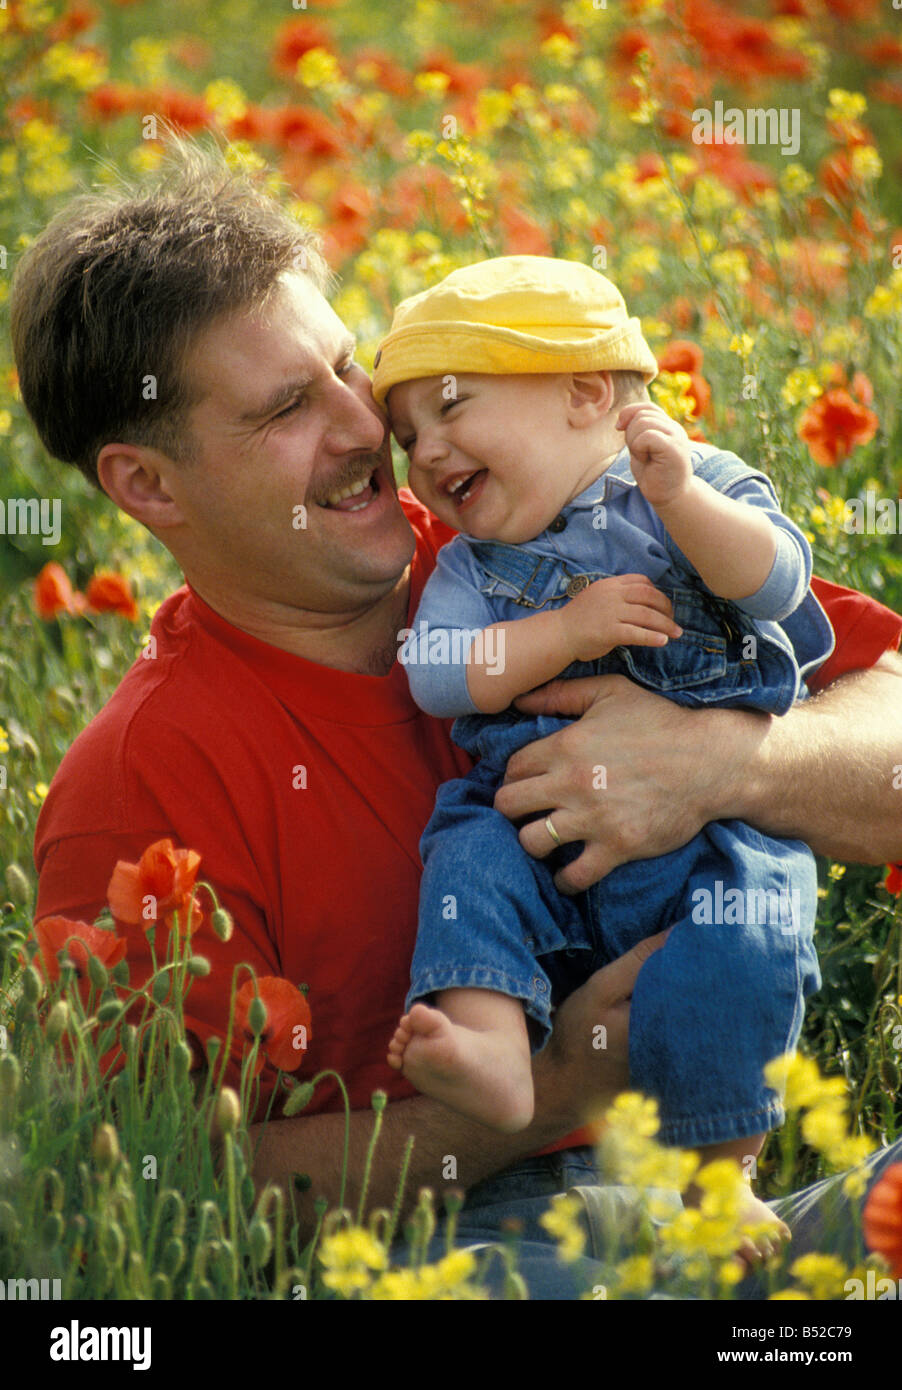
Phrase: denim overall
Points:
(726, 992)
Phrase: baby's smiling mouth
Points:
(460, 486)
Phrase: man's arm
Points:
(573, 1081)
(822, 773)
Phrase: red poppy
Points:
(680, 356)
(75, 20)
(287, 1030)
(883, 51)
(108, 592)
(295, 38)
(523, 236)
(306, 129)
(893, 881)
(111, 100)
(160, 885)
(882, 1218)
(834, 425)
(79, 939)
(182, 109)
(54, 594)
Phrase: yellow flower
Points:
(671, 392)
(795, 179)
(824, 1126)
(4, 740)
(846, 106)
(493, 109)
(318, 68)
(559, 49)
(6, 421)
(148, 60)
(75, 67)
(731, 265)
(559, 94)
(433, 84)
(635, 1274)
(709, 196)
(836, 871)
(821, 1275)
(801, 385)
(742, 344)
(225, 99)
(562, 1222)
(803, 1083)
(866, 163)
(789, 1296)
(37, 795)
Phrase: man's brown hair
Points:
(107, 300)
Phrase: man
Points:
(271, 729)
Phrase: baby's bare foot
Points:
(483, 1074)
(769, 1237)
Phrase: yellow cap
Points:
(512, 315)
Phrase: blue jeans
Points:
(821, 1217)
(710, 1009)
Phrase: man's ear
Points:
(134, 477)
(590, 395)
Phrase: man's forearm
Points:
(824, 772)
(314, 1145)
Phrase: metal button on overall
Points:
(577, 583)
(558, 524)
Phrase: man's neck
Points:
(364, 640)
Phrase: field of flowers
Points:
(418, 137)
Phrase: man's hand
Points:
(586, 1062)
(623, 610)
(635, 777)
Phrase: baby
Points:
(595, 538)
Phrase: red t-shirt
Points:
(204, 745)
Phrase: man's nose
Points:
(357, 422)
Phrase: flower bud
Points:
(182, 1057)
(105, 1149)
(129, 1039)
(256, 1015)
(260, 1242)
(378, 1100)
(160, 1289)
(222, 924)
(31, 984)
(57, 1021)
(173, 1256)
(213, 1047)
(228, 1111)
(97, 973)
(17, 885)
(198, 965)
(10, 1074)
(110, 1010)
(299, 1097)
(52, 1229)
(160, 987)
(113, 1243)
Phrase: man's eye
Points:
(290, 409)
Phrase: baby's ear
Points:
(590, 395)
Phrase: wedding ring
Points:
(552, 832)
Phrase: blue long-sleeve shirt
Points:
(609, 529)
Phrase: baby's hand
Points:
(625, 610)
(660, 456)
